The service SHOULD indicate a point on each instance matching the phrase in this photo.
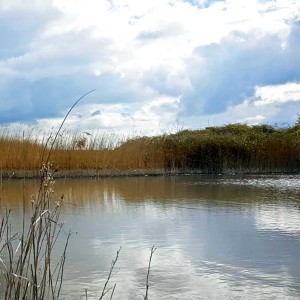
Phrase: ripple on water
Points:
(277, 182)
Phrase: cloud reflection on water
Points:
(217, 238)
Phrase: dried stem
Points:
(63, 122)
(110, 275)
(27, 271)
(153, 249)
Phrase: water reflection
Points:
(217, 237)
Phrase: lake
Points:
(217, 237)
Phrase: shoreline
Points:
(93, 173)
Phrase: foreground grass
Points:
(28, 268)
(32, 262)
(231, 148)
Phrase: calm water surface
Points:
(216, 237)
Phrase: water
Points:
(217, 237)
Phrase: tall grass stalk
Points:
(153, 249)
(29, 265)
(105, 289)
(29, 268)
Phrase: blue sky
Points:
(156, 65)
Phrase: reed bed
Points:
(231, 148)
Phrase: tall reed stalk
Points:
(28, 266)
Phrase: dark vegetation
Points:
(231, 148)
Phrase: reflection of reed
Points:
(112, 192)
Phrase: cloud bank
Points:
(153, 64)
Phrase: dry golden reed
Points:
(231, 148)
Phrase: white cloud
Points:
(269, 104)
(149, 118)
(277, 94)
(160, 112)
(146, 34)
(25, 5)
(141, 51)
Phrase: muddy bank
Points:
(19, 174)
(81, 173)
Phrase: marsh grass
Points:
(231, 148)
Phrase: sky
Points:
(156, 66)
